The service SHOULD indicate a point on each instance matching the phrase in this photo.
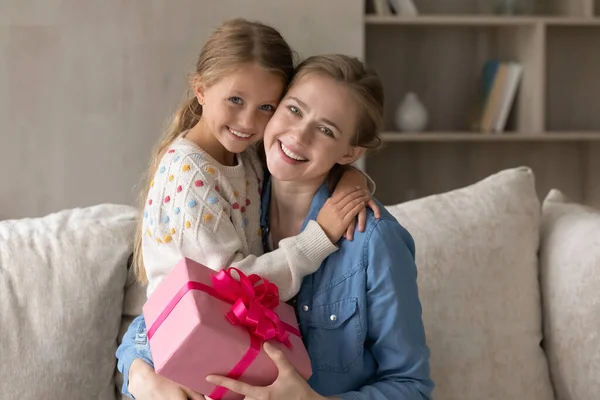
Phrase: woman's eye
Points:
(327, 131)
(267, 107)
(236, 100)
(294, 109)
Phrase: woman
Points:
(360, 313)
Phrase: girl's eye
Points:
(267, 107)
(326, 131)
(294, 109)
(236, 100)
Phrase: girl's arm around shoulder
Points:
(208, 236)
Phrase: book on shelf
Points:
(498, 88)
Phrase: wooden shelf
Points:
(478, 20)
(389, 137)
(553, 125)
(444, 20)
(572, 21)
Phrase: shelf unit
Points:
(479, 20)
(554, 124)
(392, 137)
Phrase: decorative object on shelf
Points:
(507, 7)
(411, 114)
(404, 8)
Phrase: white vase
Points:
(411, 114)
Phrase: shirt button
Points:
(305, 308)
(333, 317)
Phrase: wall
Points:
(86, 86)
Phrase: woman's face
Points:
(311, 130)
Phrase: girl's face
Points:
(312, 130)
(238, 106)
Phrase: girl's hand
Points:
(289, 384)
(340, 210)
(362, 219)
(353, 178)
(146, 384)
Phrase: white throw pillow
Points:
(478, 283)
(62, 280)
(570, 276)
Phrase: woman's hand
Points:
(146, 384)
(289, 385)
(353, 178)
(340, 210)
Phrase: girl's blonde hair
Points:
(234, 43)
(365, 86)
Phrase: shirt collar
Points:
(317, 203)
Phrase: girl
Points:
(359, 313)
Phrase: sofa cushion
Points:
(478, 283)
(570, 276)
(62, 280)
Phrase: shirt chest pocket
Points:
(335, 335)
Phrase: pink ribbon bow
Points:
(253, 301)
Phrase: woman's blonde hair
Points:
(234, 43)
(365, 86)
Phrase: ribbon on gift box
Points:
(253, 300)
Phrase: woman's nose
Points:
(303, 135)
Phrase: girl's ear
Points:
(199, 89)
(354, 153)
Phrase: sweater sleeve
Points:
(211, 238)
(296, 257)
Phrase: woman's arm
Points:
(134, 346)
(396, 335)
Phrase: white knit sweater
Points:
(210, 213)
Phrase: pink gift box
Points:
(193, 337)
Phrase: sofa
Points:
(510, 287)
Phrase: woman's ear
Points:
(199, 89)
(354, 153)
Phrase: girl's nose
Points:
(247, 119)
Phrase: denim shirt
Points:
(359, 314)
